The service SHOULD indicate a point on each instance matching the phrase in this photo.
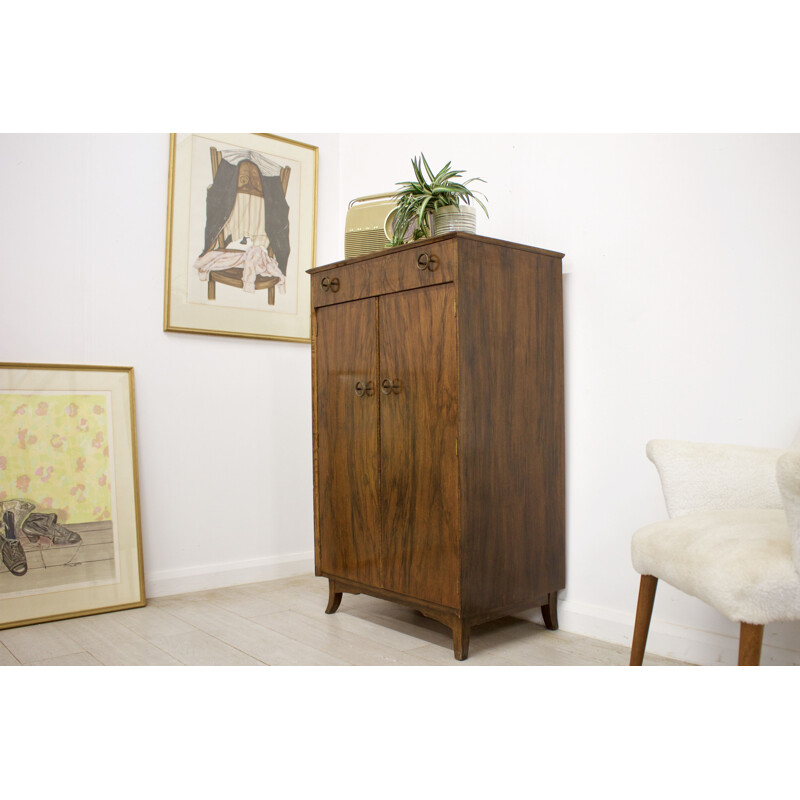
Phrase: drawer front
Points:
(410, 268)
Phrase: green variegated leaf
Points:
(416, 199)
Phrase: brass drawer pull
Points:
(426, 261)
(387, 386)
(363, 389)
(330, 284)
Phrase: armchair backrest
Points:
(708, 477)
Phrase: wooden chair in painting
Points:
(249, 182)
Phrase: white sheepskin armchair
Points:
(732, 540)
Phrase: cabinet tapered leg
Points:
(550, 612)
(644, 610)
(460, 639)
(334, 598)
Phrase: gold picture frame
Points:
(70, 533)
(241, 234)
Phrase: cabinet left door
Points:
(348, 473)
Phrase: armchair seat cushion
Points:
(739, 561)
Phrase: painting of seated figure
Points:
(241, 235)
(247, 234)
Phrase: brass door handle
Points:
(330, 284)
(387, 386)
(426, 261)
(365, 389)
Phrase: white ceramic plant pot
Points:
(453, 218)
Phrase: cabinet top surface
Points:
(422, 242)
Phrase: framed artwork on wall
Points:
(241, 233)
(70, 537)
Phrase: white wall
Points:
(681, 288)
(682, 279)
(224, 425)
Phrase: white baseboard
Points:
(665, 639)
(217, 576)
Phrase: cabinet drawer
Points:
(409, 268)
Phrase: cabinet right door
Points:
(419, 455)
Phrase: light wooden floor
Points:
(282, 622)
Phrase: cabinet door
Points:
(347, 426)
(419, 427)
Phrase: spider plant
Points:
(417, 199)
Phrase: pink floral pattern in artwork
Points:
(54, 452)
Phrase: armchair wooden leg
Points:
(750, 638)
(644, 610)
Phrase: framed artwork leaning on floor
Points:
(70, 536)
(241, 233)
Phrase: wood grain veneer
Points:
(439, 429)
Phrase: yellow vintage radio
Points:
(368, 226)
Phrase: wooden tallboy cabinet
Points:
(438, 416)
